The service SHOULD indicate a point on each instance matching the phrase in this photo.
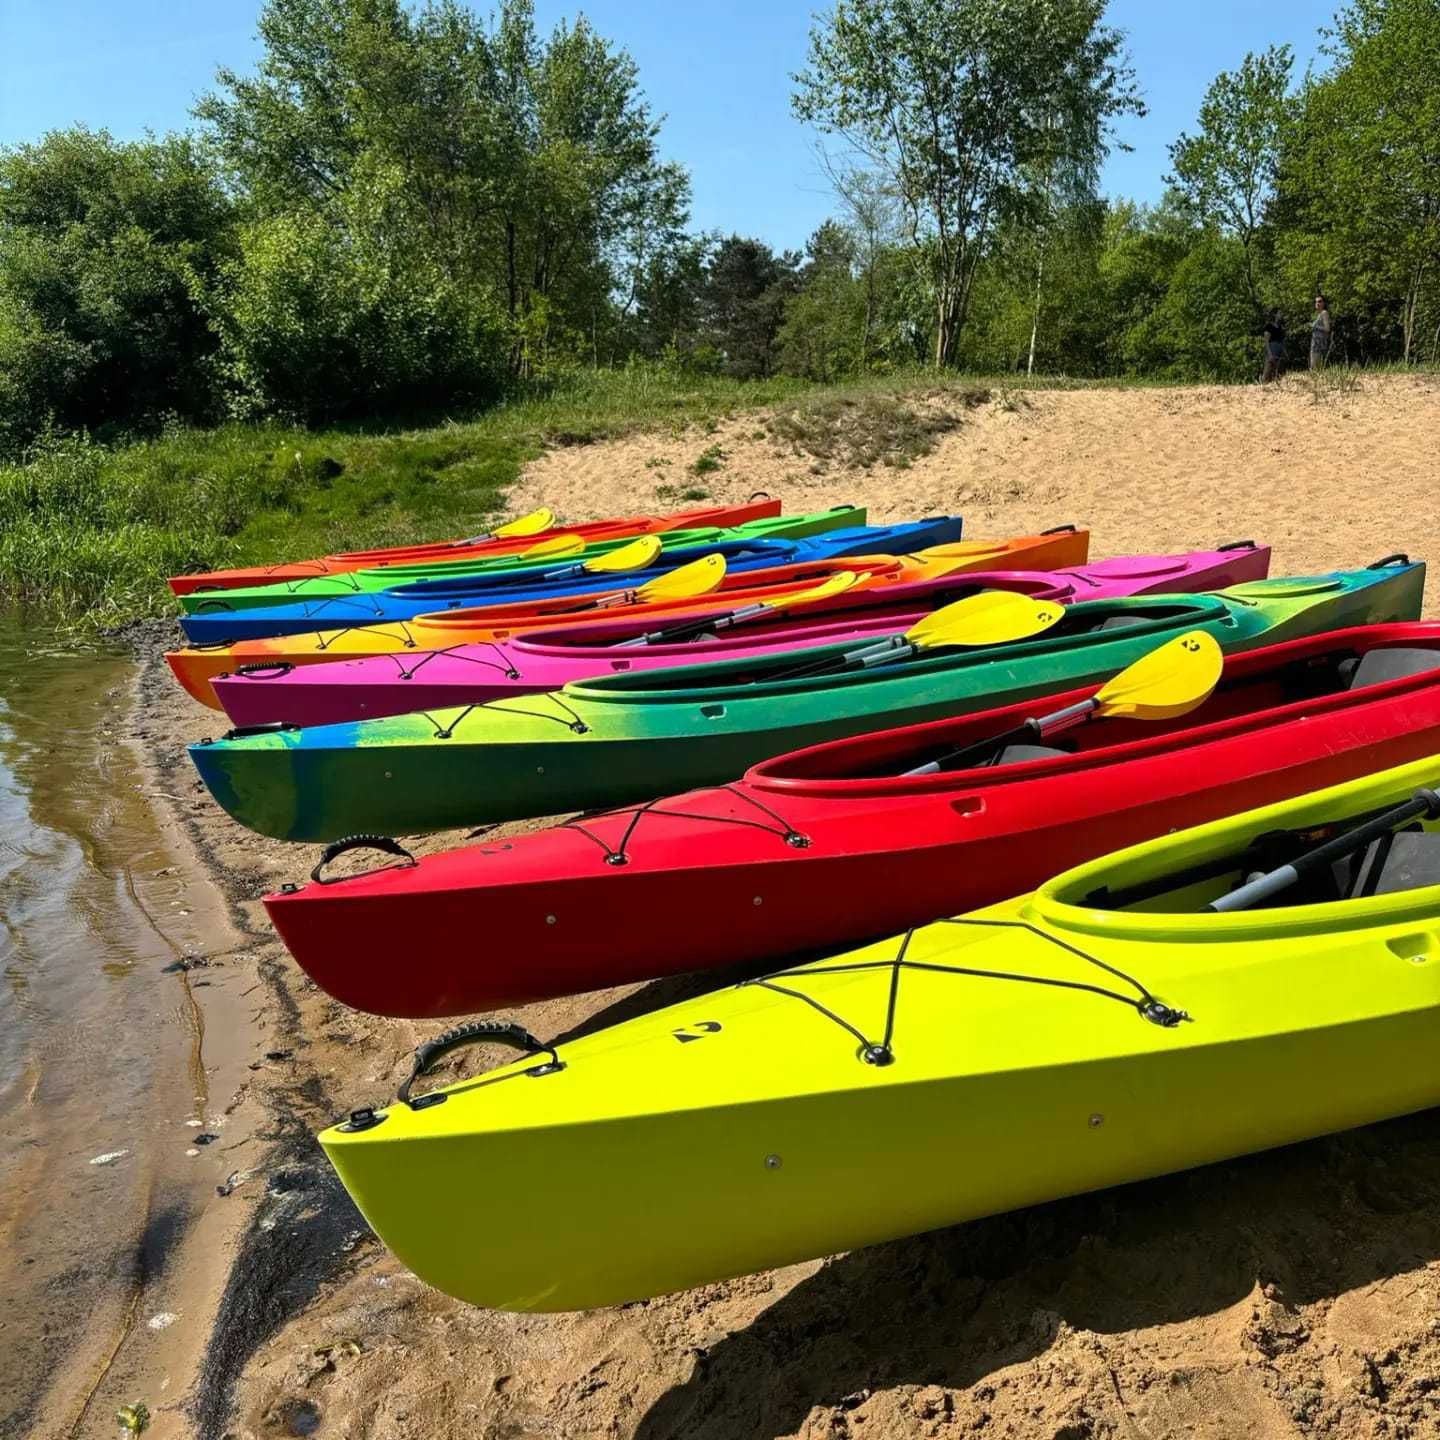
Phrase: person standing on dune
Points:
(1274, 348)
(1320, 334)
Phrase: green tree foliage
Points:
(1360, 186)
(101, 247)
(514, 171)
(960, 102)
(747, 286)
(1227, 172)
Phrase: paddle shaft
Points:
(1424, 804)
(1038, 727)
(702, 626)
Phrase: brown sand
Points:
(1293, 1294)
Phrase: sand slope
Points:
(1291, 1295)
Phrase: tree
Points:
(1362, 175)
(746, 287)
(523, 167)
(1227, 172)
(102, 245)
(956, 101)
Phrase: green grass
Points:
(89, 533)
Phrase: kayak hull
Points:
(977, 1065)
(539, 661)
(196, 667)
(623, 739)
(589, 531)
(763, 859)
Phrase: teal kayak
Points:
(627, 738)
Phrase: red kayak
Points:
(834, 845)
(481, 545)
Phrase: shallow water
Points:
(102, 1066)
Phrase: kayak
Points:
(539, 661)
(621, 739)
(196, 666)
(1106, 1028)
(409, 602)
(764, 859)
(535, 558)
(497, 543)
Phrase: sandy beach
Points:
(1295, 1294)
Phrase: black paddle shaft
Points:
(1423, 805)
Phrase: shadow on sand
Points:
(952, 1307)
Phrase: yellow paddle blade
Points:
(993, 617)
(556, 548)
(699, 577)
(827, 589)
(1171, 680)
(531, 524)
(634, 556)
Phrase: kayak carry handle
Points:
(1385, 561)
(213, 605)
(1061, 530)
(761, 495)
(1238, 545)
(271, 727)
(478, 1032)
(262, 667)
(337, 848)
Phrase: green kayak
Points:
(627, 738)
(363, 582)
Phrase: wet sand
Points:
(1292, 1294)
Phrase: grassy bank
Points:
(89, 533)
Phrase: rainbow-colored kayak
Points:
(622, 739)
(1106, 1028)
(197, 665)
(504, 539)
(545, 660)
(533, 560)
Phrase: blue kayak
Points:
(405, 602)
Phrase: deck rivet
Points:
(1096, 1121)
(388, 775)
(549, 919)
(773, 1162)
(539, 769)
(758, 900)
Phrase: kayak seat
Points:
(1407, 861)
(1379, 665)
(1016, 754)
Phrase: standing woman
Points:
(1274, 348)
(1320, 334)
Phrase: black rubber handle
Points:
(1060, 530)
(1398, 558)
(337, 848)
(1238, 545)
(262, 667)
(213, 605)
(762, 495)
(271, 727)
(479, 1032)
(206, 589)
(208, 644)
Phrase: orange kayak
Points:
(498, 543)
(196, 666)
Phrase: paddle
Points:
(698, 577)
(993, 617)
(1423, 805)
(531, 524)
(1171, 680)
(706, 624)
(556, 545)
(635, 556)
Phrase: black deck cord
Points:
(338, 630)
(882, 1052)
(507, 669)
(344, 577)
(575, 723)
(619, 855)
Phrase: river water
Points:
(103, 1054)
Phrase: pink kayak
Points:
(471, 674)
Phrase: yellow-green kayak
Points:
(1107, 1028)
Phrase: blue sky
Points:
(719, 73)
